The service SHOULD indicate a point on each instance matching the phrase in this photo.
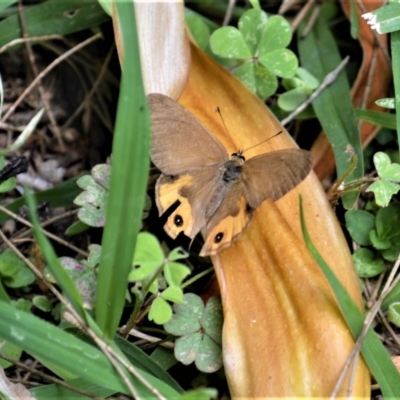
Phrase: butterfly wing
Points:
(272, 175)
(180, 143)
(198, 194)
(228, 221)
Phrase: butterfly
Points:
(217, 193)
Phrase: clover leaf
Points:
(259, 46)
(200, 331)
(389, 183)
(159, 275)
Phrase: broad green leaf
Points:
(319, 54)
(367, 264)
(6, 3)
(281, 62)
(359, 223)
(395, 47)
(383, 119)
(378, 242)
(164, 357)
(277, 35)
(199, 30)
(142, 360)
(160, 311)
(292, 99)
(251, 25)
(310, 80)
(228, 42)
(385, 19)
(53, 17)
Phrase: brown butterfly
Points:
(217, 193)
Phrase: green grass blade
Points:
(395, 45)
(373, 351)
(61, 276)
(319, 55)
(57, 392)
(6, 3)
(61, 195)
(54, 17)
(139, 358)
(57, 347)
(385, 120)
(130, 168)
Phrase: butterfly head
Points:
(238, 156)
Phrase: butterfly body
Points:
(217, 193)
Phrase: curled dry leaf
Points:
(372, 83)
(283, 333)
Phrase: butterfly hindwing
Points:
(228, 221)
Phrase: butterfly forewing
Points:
(180, 143)
(272, 175)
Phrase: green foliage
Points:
(379, 231)
(320, 55)
(389, 183)
(93, 199)
(159, 275)
(367, 263)
(83, 274)
(385, 19)
(259, 48)
(394, 314)
(387, 103)
(200, 331)
(13, 271)
(299, 88)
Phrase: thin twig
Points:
(92, 90)
(329, 79)
(48, 234)
(301, 15)
(53, 122)
(229, 11)
(30, 40)
(45, 72)
(48, 377)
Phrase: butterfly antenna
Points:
(266, 140)
(226, 129)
